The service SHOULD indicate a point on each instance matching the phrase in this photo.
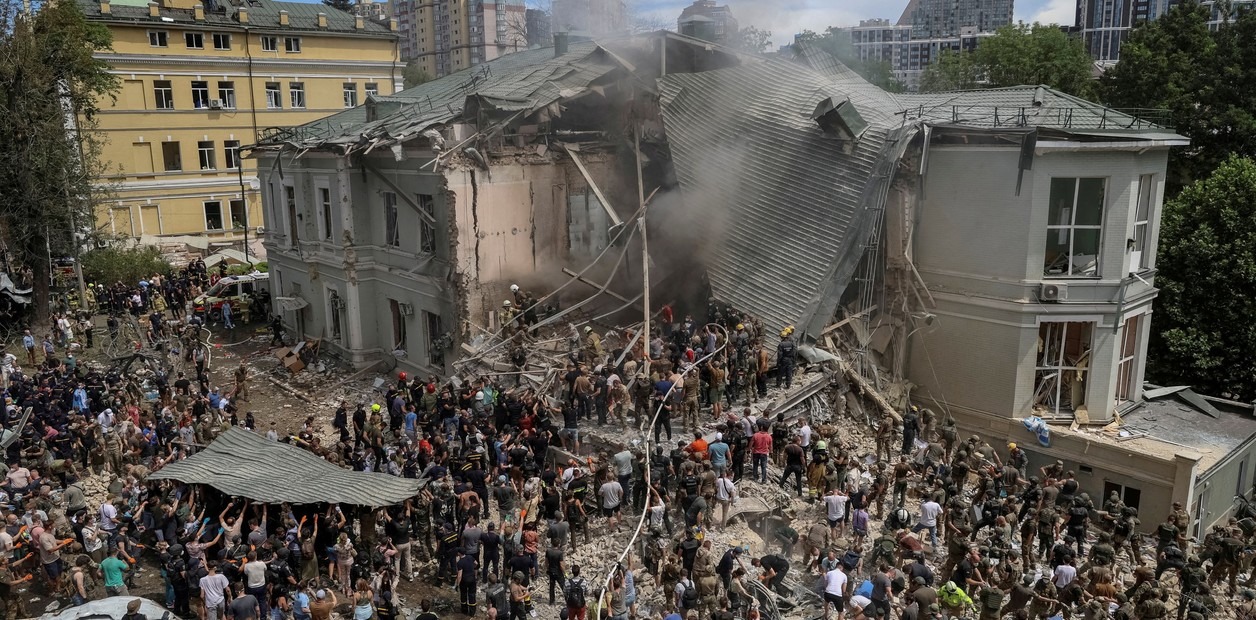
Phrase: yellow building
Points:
(198, 82)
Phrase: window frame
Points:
(392, 230)
(244, 210)
(325, 203)
(371, 88)
(222, 41)
(1072, 228)
(434, 327)
(1127, 359)
(427, 231)
(205, 212)
(231, 154)
(159, 38)
(1052, 361)
(399, 335)
(274, 96)
(346, 90)
(226, 94)
(292, 45)
(200, 94)
(206, 153)
(178, 155)
(273, 43)
(295, 89)
(194, 40)
(163, 92)
(1140, 256)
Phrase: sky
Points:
(786, 17)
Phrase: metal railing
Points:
(1067, 117)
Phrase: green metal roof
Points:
(263, 15)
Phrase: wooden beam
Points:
(838, 325)
(581, 279)
(868, 390)
(404, 195)
(588, 178)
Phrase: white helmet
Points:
(514, 288)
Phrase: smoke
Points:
(785, 18)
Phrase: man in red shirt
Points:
(760, 448)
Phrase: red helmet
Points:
(402, 376)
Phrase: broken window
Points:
(435, 348)
(1127, 364)
(427, 230)
(1063, 367)
(1139, 259)
(399, 325)
(334, 304)
(324, 209)
(1074, 227)
(1129, 495)
(392, 236)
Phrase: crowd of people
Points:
(932, 525)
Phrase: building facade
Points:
(589, 18)
(931, 19)
(878, 40)
(447, 37)
(1105, 24)
(709, 21)
(201, 82)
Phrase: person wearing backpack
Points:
(686, 594)
(576, 593)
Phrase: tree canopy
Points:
(1202, 333)
(751, 39)
(1016, 55)
(1205, 79)
(341, 5)
(414, 74)
(51, 87)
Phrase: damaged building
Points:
(988, 255)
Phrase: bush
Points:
(239, 270)
(127, 265)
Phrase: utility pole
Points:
(645, 248)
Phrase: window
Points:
(1074, 227)
(222, 41)
(392, 236)
(1240, 488)
(157, 38)
(194, 40)
(1130, 496)
(324, 210)
(226, 94)
(1127, 360)
(435, 338)
(290, 197)
(274, 97)
(163, 94)
(213, 215)
(296, 92)
(200, 95)
(170, 156)
(333, 313)
(1063, 365)
(292, 45)
(427, 230)
(270, 44)
(351, 95)
(239, 216)
(231, 153)
(205, 152)
(1139, 259)
(399, 325)
(372, 89)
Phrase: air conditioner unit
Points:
(1051, 291)
(406, 309)
(215, 104)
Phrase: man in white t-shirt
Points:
(804, 433)
(836, 503)
(725, 496)
(929, 512)
(835, 591)
(215, 589)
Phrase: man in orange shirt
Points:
(698, 446)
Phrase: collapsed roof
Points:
(244, 464)
(783, 165)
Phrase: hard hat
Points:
(587, 329)
(784, 333)
(741, 326)
(1011, 446)
(375, 407)
(506, 304)
(514, 288)
(401, 376)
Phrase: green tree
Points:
(837, 42)
(1202, 332)
(1205, 79)
(117, 263)
(51, 86)
(1035, 54)
(951, 71)
(414, 74)
(753, 40)
(340, 5)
